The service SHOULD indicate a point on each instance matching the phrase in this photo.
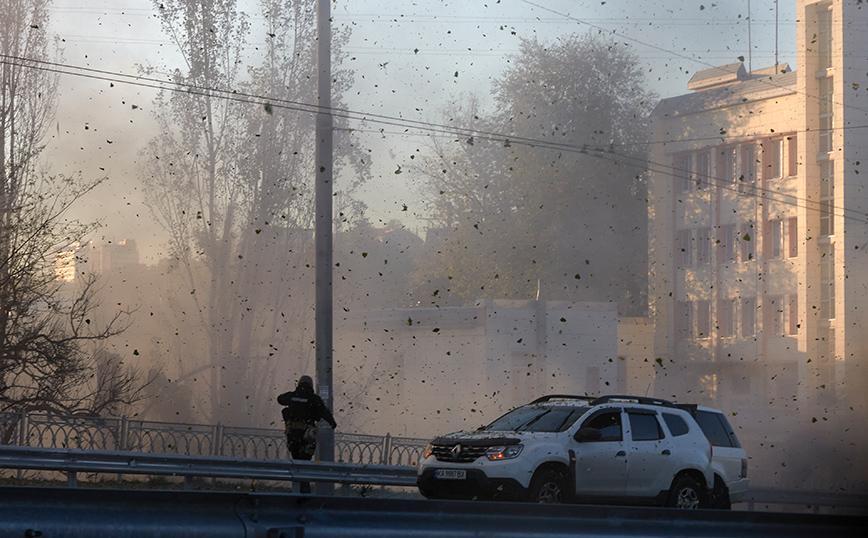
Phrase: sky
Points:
(410, 60)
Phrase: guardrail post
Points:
(22, 435)
(122, 438)
(71, 479)
(217, 440)
(216, 450)
(386, 456)
(22, 429)
(122, 441)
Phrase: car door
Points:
(601, 464)
(650, 454)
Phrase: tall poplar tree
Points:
(230, 177)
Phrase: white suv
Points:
(612, 449)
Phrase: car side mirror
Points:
(586, 434)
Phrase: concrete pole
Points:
(324, 251)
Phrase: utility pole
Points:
(323, 230)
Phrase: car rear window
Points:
(676, 424)
(717, 429)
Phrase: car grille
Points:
(464, 454)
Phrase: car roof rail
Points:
(632, 399)
(550, 397)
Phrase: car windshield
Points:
(537, 418)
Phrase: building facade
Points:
(758, 227)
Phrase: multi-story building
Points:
(94, 258)
(759, 226)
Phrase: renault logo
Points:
(456, 452)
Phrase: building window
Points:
(824, 36)
(792, 157)
(682, 173)
(793, 315)
(826, 88)
(726, 242)
(772, 159)
(703, 319)
(774, 239)
(827, 281)
(793, 237)
(703, 246)
(726, 318)
(747, 177)
(683, 320)
(747, 242)
(774, 315)
(701, 169)
(727, 166)
(748, 317)
(827, 198)
(684, 248)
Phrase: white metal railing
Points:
(124, 434)
(73, 461)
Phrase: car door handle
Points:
(666, 452)
(620, 453)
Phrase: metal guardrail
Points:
(73, 461)
(124, 434)
(259, 444)
(64, 513)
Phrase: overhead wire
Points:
(764, 80)
(600, 151)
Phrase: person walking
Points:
(303, 409)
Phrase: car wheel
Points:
(548, 487)
(720, 496)
(686, 493)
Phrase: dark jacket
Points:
(304, 405)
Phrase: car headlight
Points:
(428, 450)
(509, 452)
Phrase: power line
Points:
(752, 188)
(605, 152)
(683, 56)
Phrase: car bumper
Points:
(738, 490)
(476, 486)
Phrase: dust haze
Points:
(500, 226)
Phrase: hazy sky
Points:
(405, 56)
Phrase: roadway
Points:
(82, 513)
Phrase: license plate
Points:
(450, 474)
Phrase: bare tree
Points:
(231, 180)
(50, 355)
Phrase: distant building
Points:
(95, 258)
(106, 257)
(64, 263)
(759, 225)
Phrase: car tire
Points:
(548, 487)
(686, 493)
(720, 496)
